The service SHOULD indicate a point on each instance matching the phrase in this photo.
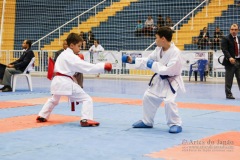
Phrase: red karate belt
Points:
(72, 103)
(60, 74)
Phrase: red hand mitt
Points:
(108, 66)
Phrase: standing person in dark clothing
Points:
(203, 38)
(83, 35)
(217, 37)
(90, 39)
(84, 45)
(230, 49)
(61, 50)
(168, 22)
(160, 22)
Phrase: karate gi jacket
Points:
(165, 63)
(68, 64)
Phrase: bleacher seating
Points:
(122, 25)
(117, 25)
(117, 33)
(228, 17)
(35, 20)
(224, 22)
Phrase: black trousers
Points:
(230, 71)
(2, 70)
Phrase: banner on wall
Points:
(113, 57)
(217, 67)
(190, 57)
(135, 54)
(86, 55)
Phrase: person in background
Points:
(168, 22)
(84, 45)
(64, 47)
(18, 66)
(83, 35)
(217, 37)
(94, 51)
(90, 39)
(139, 28)
(238, 4)
(149, 22)
(160, 22)
(148, 26)
(230, 48)
(96, 47)
(203, 38)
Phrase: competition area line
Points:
(8, 104)
(125, 101)
(28, 122)
(220, 147)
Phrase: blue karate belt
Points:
(163, 77)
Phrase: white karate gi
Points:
(99, 48)
(95, 50)
(68, 64)
(166, 63)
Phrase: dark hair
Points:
(29, 42)
(96, 41)
(165, 32)
(73, 38)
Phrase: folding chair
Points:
(25, 73)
